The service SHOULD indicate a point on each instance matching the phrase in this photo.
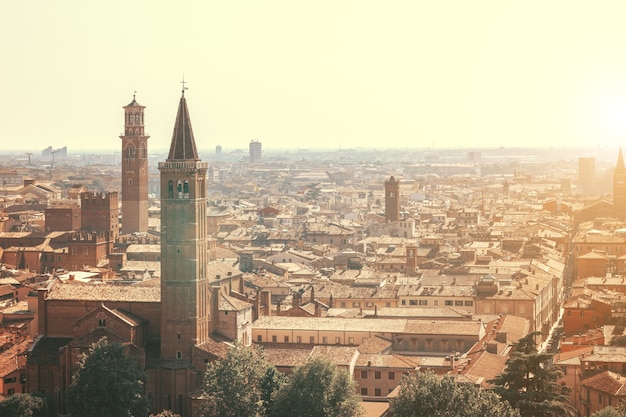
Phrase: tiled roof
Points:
(339, 355)
(438, 327)
(375, 344)
(323, 323)
(286, 357)
(386, 361)
(228, 303)
(608, 382)
(104, 292)
(14, 358)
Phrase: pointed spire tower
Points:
(185, 295)
(619, 186)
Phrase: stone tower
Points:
(134, 170)
(185, 292)
(619, 187)
(392, 200)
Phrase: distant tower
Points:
(185, 291)
(586, 174)
(255, 151)
(218, 150)
(411, 260)
(134, 170)
(392, 200)
(99, 213)
(619, 187)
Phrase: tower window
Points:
(170, 189)
(179, 355)
(179, 189)
(186, 189)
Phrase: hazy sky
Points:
(315, 74)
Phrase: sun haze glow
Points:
(297, 74)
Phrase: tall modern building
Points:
(619, 187)
(134, 170)
(255, 149)
(392, 200)
(586, 174)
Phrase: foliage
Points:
(165, 413)
(610, 412)
(317, 389)
(21, 405)
(107, 384)
(530, 382)
(427, 394)
(242, 384)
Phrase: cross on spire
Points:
(183, 82)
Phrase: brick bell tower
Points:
(134, 170)
(392, 200)
(185, 291)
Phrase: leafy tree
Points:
(107, 384)
(240, 385)
(427, 394)
(530, 382)
(165, 413)
(21, 405)
(610, 412)
(317, 389)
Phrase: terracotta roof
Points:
(608, 382)
(104, 292)
(228, 303)
(14, 358)
(286, 357)
(323, 323)
(386, 361)
(339, 355)
(375, 344)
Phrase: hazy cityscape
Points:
(387, 263)
(347, 209)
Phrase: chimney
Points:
(266, 302)
(492, 347)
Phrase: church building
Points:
(174, 327)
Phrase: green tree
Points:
(610, 412)
(530, 382)
(165, 413)
(107, 384)
(240, 385)
(21, 405)
(426, 394)
(317, 389)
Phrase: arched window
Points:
(179, 189)
(102, 323)
(186, 189)
(170, 189)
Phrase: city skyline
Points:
(330, 75)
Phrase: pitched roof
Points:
(608, 382)
(183, 146)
